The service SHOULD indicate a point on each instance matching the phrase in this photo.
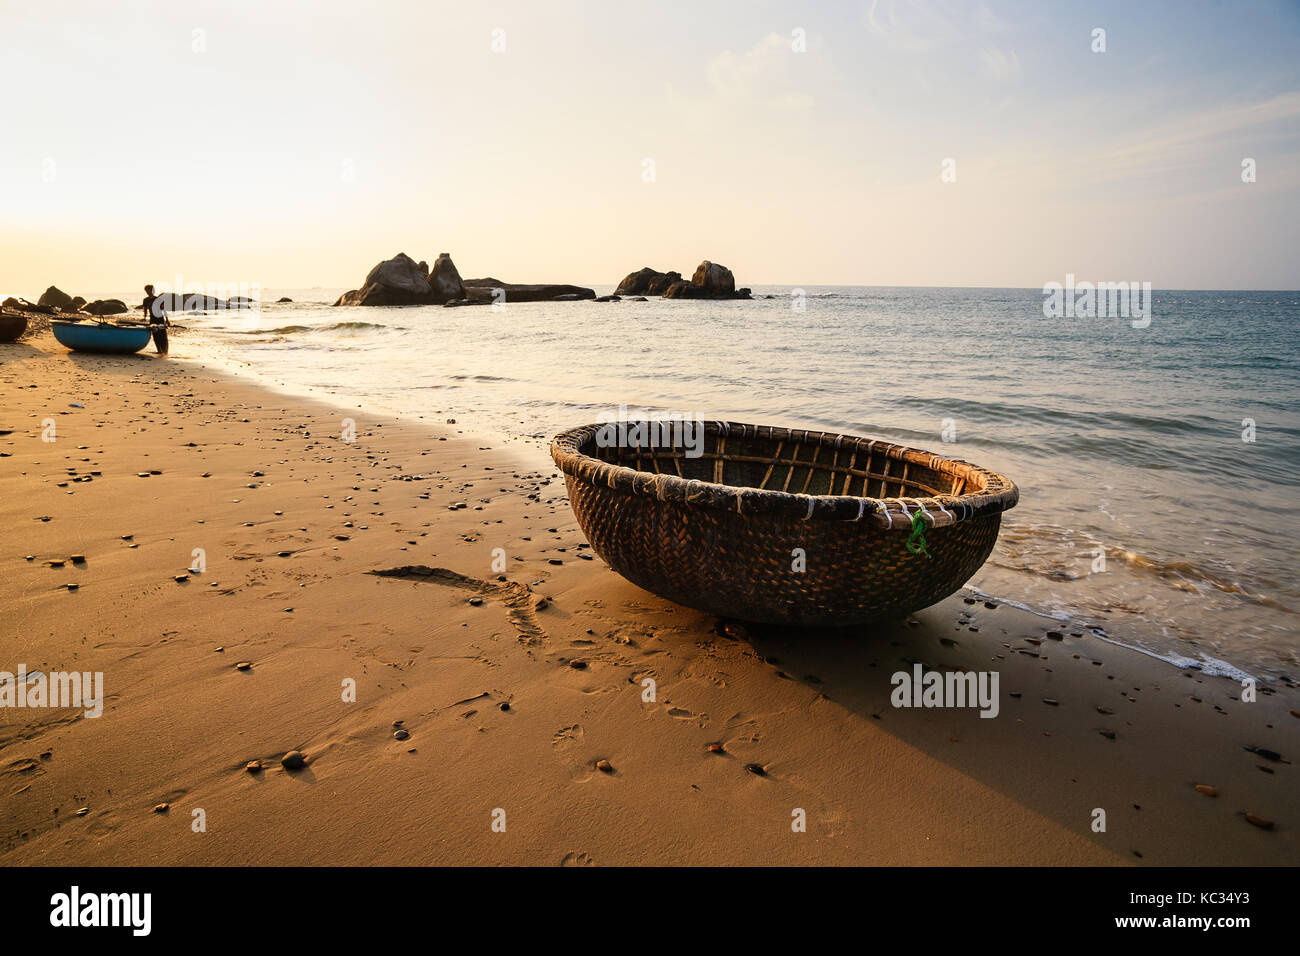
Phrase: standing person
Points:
(156, 316)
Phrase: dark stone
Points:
(396, 281)
(647, 282)
(105, 307)
(445, 283)
(55, 298)
(527, 293)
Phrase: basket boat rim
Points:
(993, 493)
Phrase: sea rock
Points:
(481, 290)
(55, 298)
(608, 298)
(445, 284)
(105, 307)
(190, 302)
(647, 281)
(284, 299)
(77, 302)
(396, 281)
(684, 290)
(11, 303)
(710, 281)
(716, 280)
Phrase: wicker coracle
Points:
(783, 526)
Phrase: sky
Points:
(294, 144)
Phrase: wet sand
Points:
(509, 692)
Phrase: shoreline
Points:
(878, 785)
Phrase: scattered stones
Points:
(293, 760)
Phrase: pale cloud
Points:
(999, 64)
(764, 74)
(922, 26)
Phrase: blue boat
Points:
(101, 337)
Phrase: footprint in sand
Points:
(516, 597)
(577, 859)
(567, 735)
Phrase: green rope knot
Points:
(916, 540)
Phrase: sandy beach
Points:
(507, 690)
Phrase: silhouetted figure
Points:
(156, 315)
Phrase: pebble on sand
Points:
(401, 734)
(757, 769)
(1259, 821)
(1206, 789)
(604, 766)
(243, 665)
(293, 760)
(162, 808)
(716, 749)
(253, 766)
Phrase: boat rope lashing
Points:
(916, 540)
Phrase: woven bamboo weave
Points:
(781, 525)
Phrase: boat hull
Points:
(104, 339)
(12, 326)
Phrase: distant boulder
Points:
(608, 298)
(55, 298)
(403, 281)
(189, 302)
(528, 293)
(77, 302)
(710, 281)
(716, 280)
(284, 299)
(444, 281)
(647, 282)
(11, 303)
(106, 307)
(684, 290)
(396, 281)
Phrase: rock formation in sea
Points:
(105, 307)
(647, 282)
(57, 299)
(403, 281)
(480, 291)
(710, 281)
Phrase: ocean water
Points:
(1144, 509)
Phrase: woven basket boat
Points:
(719, 532)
